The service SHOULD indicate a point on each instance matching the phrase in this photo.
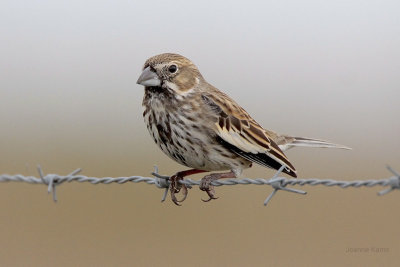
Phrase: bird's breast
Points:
(185, 135)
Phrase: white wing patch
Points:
(234, 138)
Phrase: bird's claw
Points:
(175, 187)
(205, 185)
(211, 195)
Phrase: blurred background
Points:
(69, 99)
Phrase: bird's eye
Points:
(172, 68)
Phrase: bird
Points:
(202, 128)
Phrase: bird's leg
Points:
(175, 187)
(205, 183)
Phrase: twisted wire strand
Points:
(161, 181)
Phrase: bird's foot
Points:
(175, 187)
(205, 185)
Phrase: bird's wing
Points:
(240, 133)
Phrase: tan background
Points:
(68, 99)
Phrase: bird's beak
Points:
(149, 78)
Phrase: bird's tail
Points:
(289, 142)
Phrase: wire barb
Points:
(52, 180)
(394, 182)
(277, 184)
(162, 181)
(48, 180)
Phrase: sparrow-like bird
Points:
(201, 127)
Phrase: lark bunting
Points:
(201, 127)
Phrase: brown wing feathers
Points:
(245, 137)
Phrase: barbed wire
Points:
(162, 181)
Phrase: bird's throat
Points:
(154, 89)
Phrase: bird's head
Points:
(170, 71)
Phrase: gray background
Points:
(68, 99)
